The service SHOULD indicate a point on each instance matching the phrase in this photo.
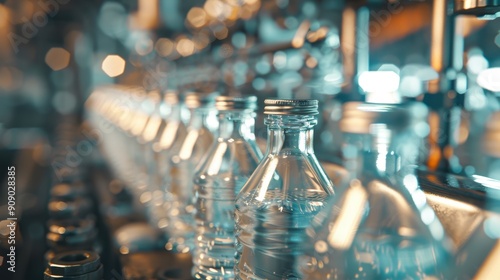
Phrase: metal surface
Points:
(66, 191)
(223, 103)
(70, 234)
(156, 265)
(196, 99)
(75, 265)
(290, 107)
(77, 207)
(481, 8)
(355, 45)
(459, 202)
(264, 48)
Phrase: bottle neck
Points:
(202, 117)
(164, 110)
(291, 133)
(385, 153)
(237, 124)
(174, 113)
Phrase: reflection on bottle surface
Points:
(214, 254)
(178, 204)
(375, 237)
(270, 235)
(380, 225)
(222, 174)
(282, 196)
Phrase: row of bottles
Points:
(248, 215)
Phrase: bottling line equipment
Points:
(103, 102)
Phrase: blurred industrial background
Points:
(55, 53)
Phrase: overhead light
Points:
(488, 79)
(113, 65)
(57, 58)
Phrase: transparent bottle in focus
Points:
(186, 155)
(379, 226)
(278, 202)
(230, 162)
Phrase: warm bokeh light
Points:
(10, 78)
(147, 16)
(185, 47)
(113, 65)
(233, 13)
(226, 50)
(4, 16)
(221, 33)
(164, 47)
(214, 8)
(201, 41)
(57, 58)
(197, 17)
(225, 12)
(299, 38)
(348, 42)
(144, 46)
(311, 62)
(5, 28)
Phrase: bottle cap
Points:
(154, 96)
(77, 264)
(197, 99)
(359, 118)
(171, 97)
(226, 103)
(291, 107)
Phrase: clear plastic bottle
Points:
(178, 206)
(146, 139)
(278, 202)
(478, 257)
(380, 225)
(163, 128)
(232, 159)
(143, 112)
(133, 114)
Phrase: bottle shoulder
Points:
(378, 208)
(230, 158)
(171, 136)
(281, 177)
(193, 146)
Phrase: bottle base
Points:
(212, 273)
(179, 245)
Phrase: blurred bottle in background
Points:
(179, 208)
(230, 162)
(380, 225)
(171, 127)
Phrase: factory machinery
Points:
(98, 112)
